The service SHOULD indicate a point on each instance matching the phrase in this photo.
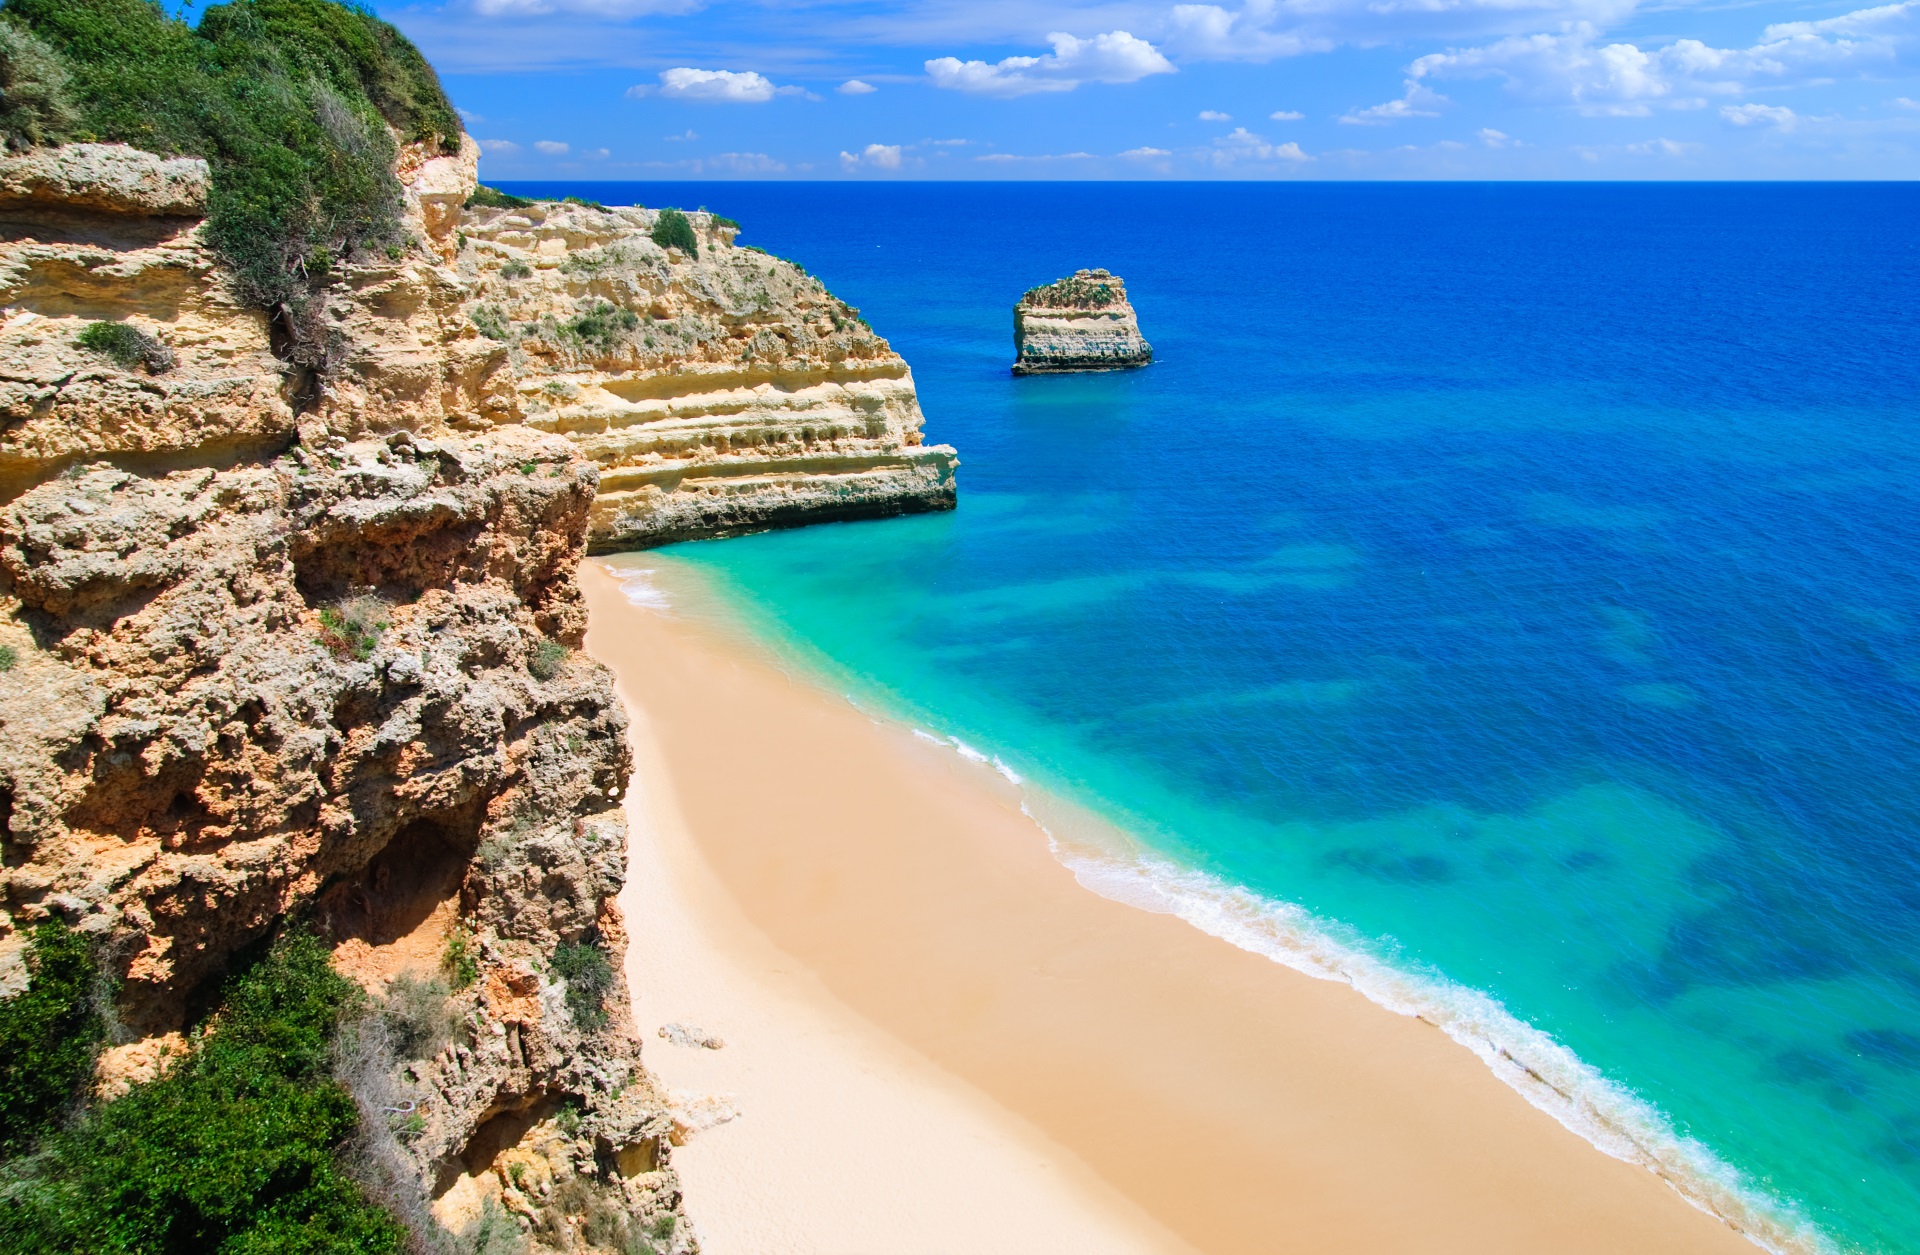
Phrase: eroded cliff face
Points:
(1082, 322)
(285, 651)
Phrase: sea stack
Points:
(1083, 322)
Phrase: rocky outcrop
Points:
(721, 393)
(1083, 322)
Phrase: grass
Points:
(485, 197)
(127, 345)
(589, 976)
(548, 657)
(49, 1036)
(289, 101)
(351, 628)
(516, 269)
(602, 326)
(673, 229)
(231, 1149)
(491, 322)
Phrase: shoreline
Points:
(1199, 1093)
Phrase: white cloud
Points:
(1286, 115)
(1623, 79)
(1760, 115)
(723, 86)
(591, 8)
(873, 157)
(1145, 154)
(684, 137)
(1662, 148)
(1009, 158)
(468, 116)
(1492, 138)
(1115, 57)
(745, 163)
(1243, 145)
(600, 154)
(1416, 102)
(1214, 115)
(1261, 30)
(1905, 102)
(1207, 32)
(504, 147)
(947, 143)
(856, 87)
(551, 147)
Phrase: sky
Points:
(1140, 89)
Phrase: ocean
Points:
(1506, 597)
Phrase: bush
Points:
(491, 322)
(457, 958)
(602, 326)
(673, 229)
(352, 627)
(585, 204)
(230, 1150)
(288, 100)
(49, 1036)
(547, 659)
(419, 1018)
(127, 345)
(589, 978)
(516, 269)
(1071, 293)
(34, 106)
(9, 657)
(485, 197)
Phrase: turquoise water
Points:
(1521, 581)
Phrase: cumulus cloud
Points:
(1214, 115)
(1760, 115)
(1261, 30)
(1207, 32)
(503, 147)
(873, 157)
(1115, 57)
(468, 116)
(1417, 101)
(1575, 67)
(1286, 115)
(1661, 148)
(743, 87)
(1492, 138)
(551, 147)
(856, 87)
(599, 154)
(1145, 154)
(1243, 145)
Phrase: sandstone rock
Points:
(109, 178)
(1083, 322)
(686, 1035)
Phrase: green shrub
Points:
(35, 108)
(516, 269)
(458, 959)
(288, 100)
(127, 345)
(232, 1149)
(673, 229)
(491, 323)
(48, 1036)
(9, 657)
(547, 659)
(485, 197)
(589, 978)
(1071, 293)
(352, 627)
(718, 221)
(419, 1018)
(585, 204)
(602, 326)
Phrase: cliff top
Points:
(1084, 289)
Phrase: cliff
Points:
(1083, 322)
(280, 642)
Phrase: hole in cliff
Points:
(391, 901)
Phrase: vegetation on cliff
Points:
(1072, 292)
(289, 101)
(231, 1148)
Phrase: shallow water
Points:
(1523, 580)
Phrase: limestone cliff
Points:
(1083, 322)
(279, 644)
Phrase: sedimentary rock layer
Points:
(1083, 322)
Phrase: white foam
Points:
(1000, 766)
(966, 751)
(1546, 1073)
(638, 587)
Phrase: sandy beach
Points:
(938, 1041)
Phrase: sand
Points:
(938, 1041)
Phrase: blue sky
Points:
(952, 89)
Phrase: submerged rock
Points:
(1084, 322)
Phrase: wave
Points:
(1548, 1074)
(636, 583)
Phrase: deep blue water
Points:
(1524, 579)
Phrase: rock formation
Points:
(1083, 322)
(272, 650)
